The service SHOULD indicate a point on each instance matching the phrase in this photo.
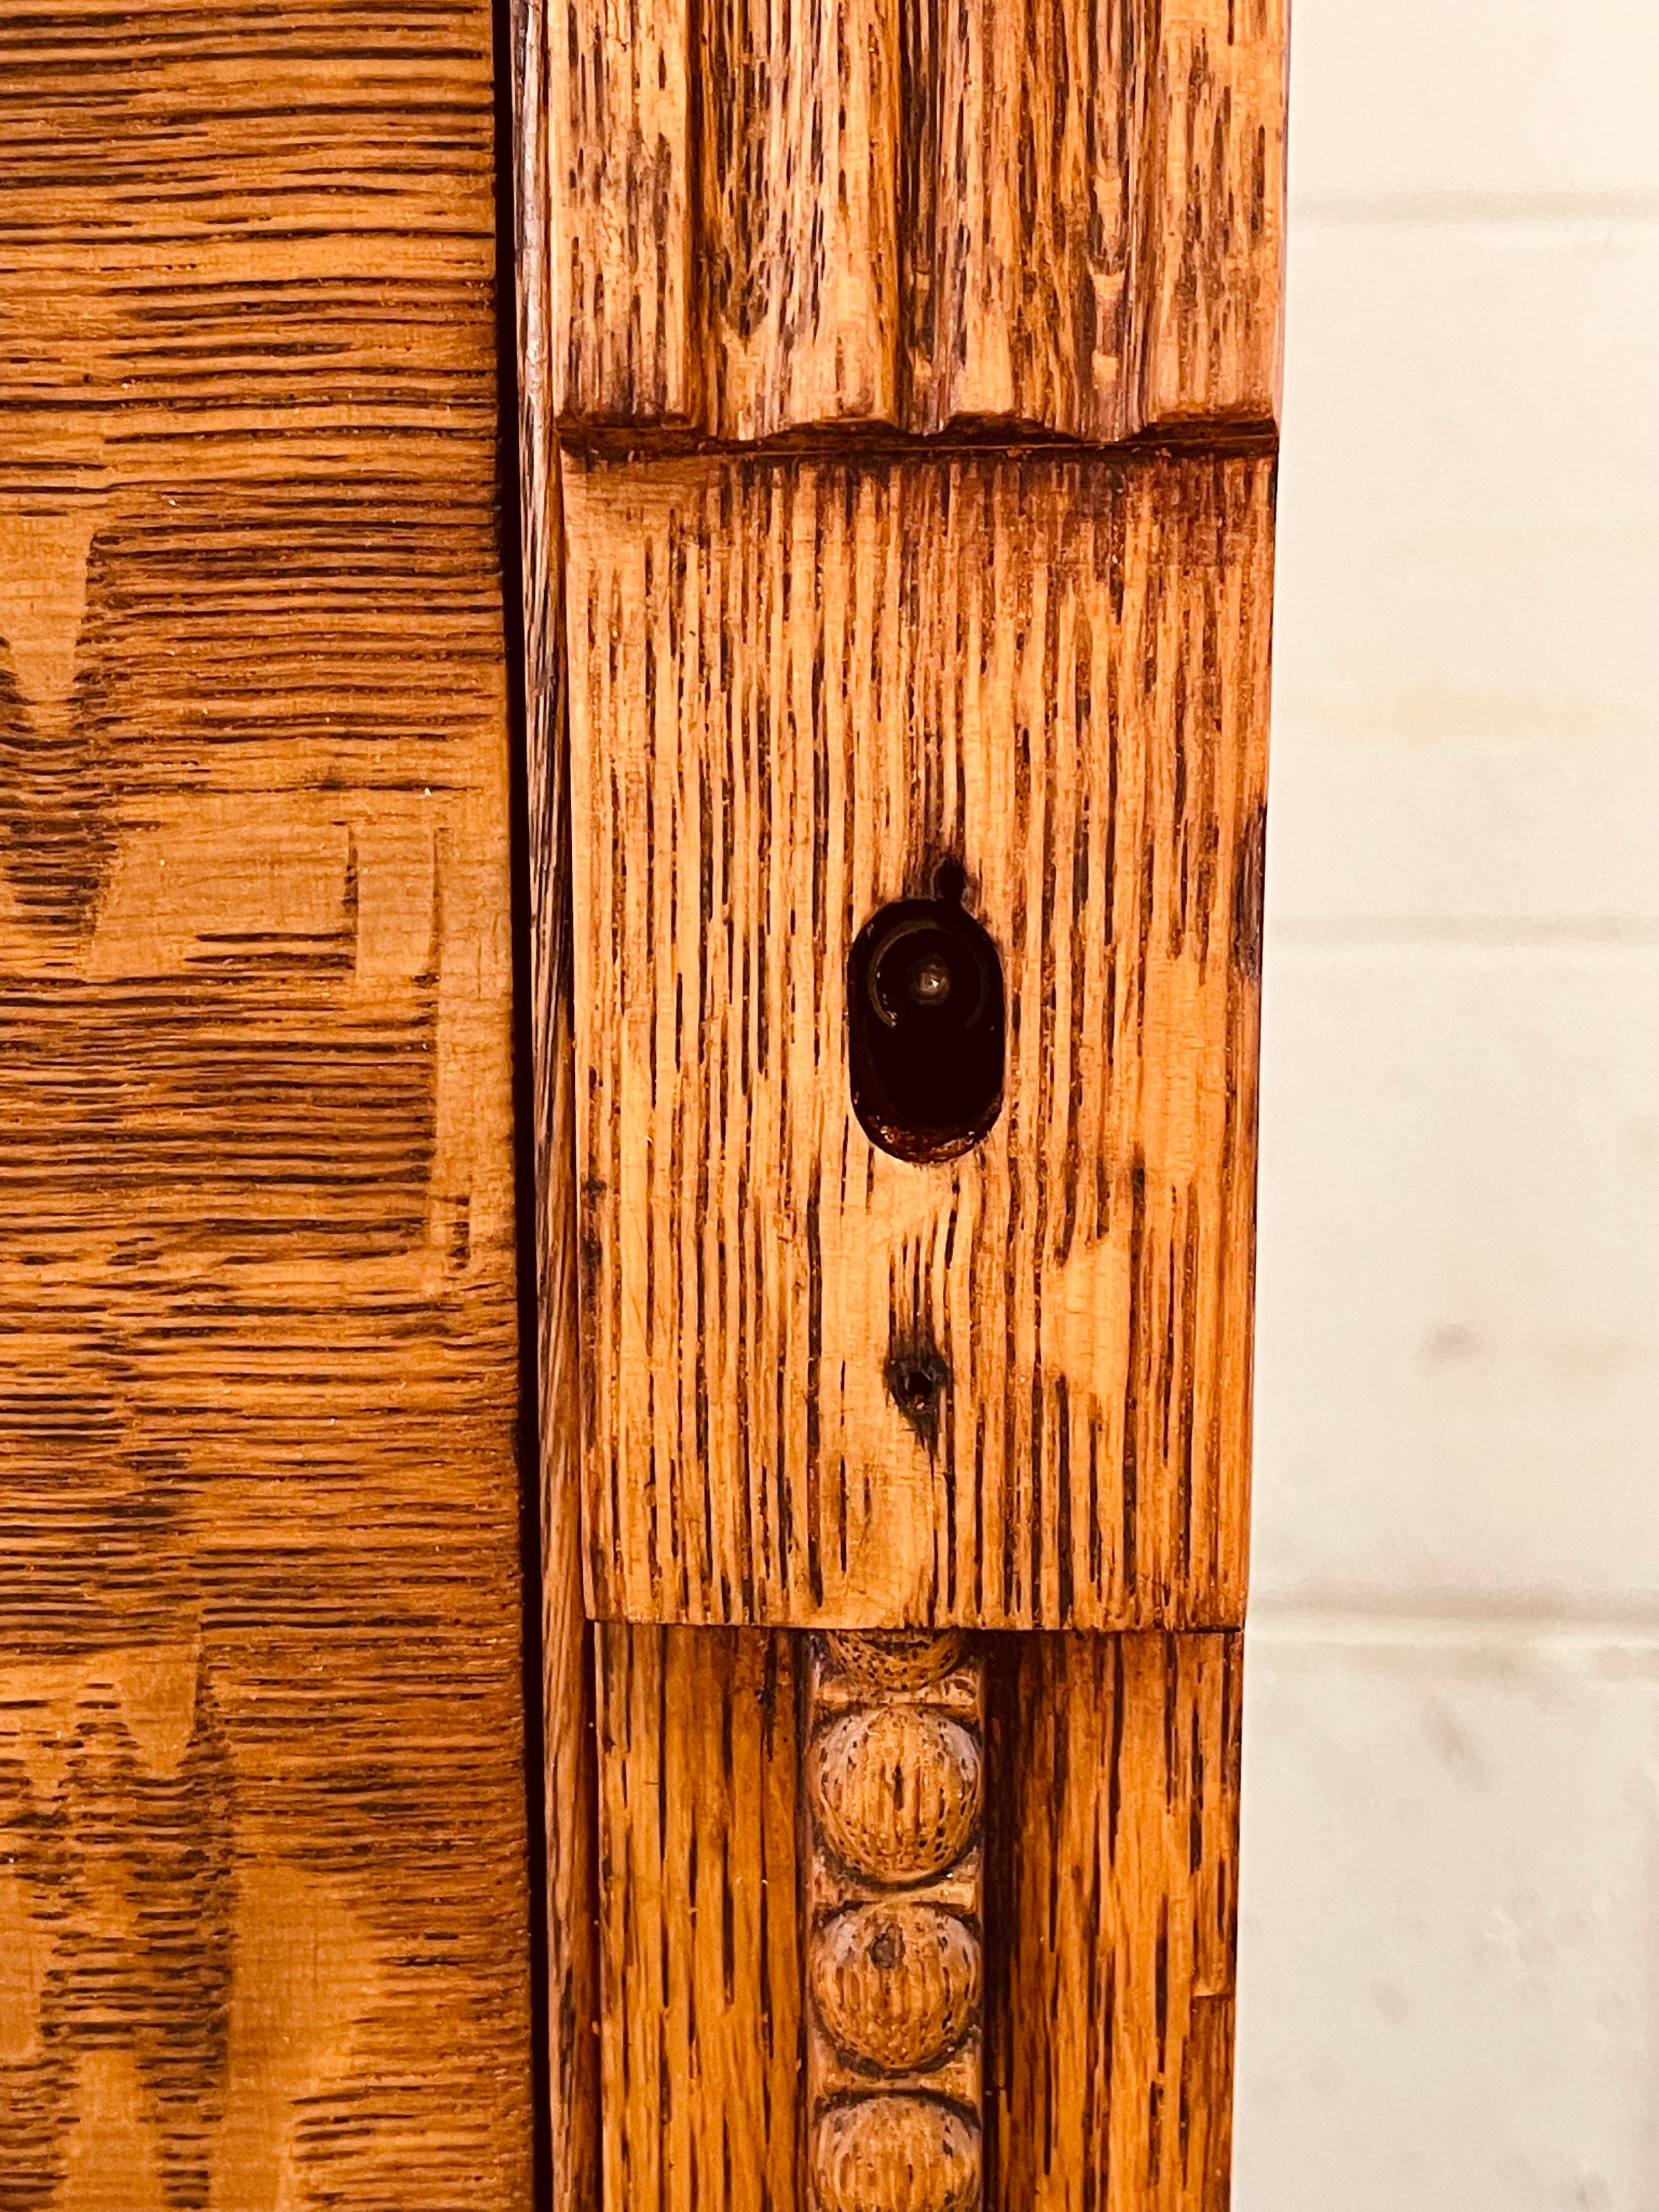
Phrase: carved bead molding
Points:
(894, 1811)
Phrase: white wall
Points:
(1450, 1938)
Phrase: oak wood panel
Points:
(263, 1912)
(797, 686)
(699, 1927)
(778, 214)
(1109, 2069)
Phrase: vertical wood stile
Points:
(1212, 215)
(699, 1937)
(568, 1780)
(1021, 212)
(620, 192)
(1116, 1761)
(799, 155)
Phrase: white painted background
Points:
(1451, 1929)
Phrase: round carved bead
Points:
(896, 1791)
(896, 2155)
(897, 1984)
(897, 1659)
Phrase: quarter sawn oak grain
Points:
(263, 1910)
(797, 688)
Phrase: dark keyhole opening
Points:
(925, 1009)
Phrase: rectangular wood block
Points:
(797, 687)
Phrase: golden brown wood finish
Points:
(614, 108)
(798, 686)
(1022, 175)
(799, 230)
(262, 1888)
(736, 2027)
(699, 1934)
(917, 215)
(884, 235)
(1115, 1857)
(1211, 209)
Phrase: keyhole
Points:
(925, 1010)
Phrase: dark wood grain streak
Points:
(797, 687)
(1115, 1858)
(262, 1848)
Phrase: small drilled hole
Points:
(916, 1386)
